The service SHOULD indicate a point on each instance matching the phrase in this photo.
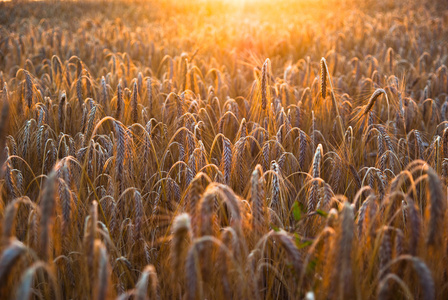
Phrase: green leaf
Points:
(297, 213)
(312, 265)
(275, 228)
(305, 244)
(297, 238)
(299, 242)
(321, 213)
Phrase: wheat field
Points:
(224, 149)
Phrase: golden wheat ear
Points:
(265, 83)
(323, 71)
